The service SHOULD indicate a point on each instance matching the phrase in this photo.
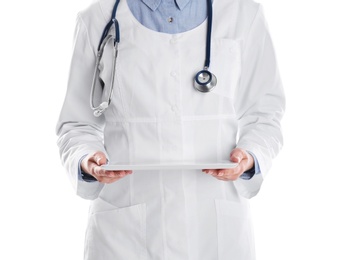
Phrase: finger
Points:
(227, 178)
(99, 171)
(110, 179)
(217, 172)
(229, 174)
(224, 172)
(212, 172)
(237, 155)
(120, 173)
(99, 158)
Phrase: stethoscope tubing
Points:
(109, 25)
(105, 38)
(206, 85)
(208, 41)
(98, 110)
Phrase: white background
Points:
(297, 214)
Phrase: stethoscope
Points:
(204, 80)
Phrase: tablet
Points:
(171, 166)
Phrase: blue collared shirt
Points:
(171, 16)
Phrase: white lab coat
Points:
(155, 116)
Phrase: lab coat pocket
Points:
(116, 233)
(226, 66)
(234, 230)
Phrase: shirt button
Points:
(170, 20)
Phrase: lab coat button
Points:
(173, 41)
(174, 74)
(174, 108)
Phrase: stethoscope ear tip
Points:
(97, 113)
(100, 109)
(204, 80)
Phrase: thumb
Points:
(100, 158)
(236, 155)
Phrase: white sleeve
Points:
(260, 103)
(79, 131)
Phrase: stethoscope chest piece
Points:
(205, 81)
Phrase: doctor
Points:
(157, 115)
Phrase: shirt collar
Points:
(154, 4)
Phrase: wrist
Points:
(250, 162)
(85, 176)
